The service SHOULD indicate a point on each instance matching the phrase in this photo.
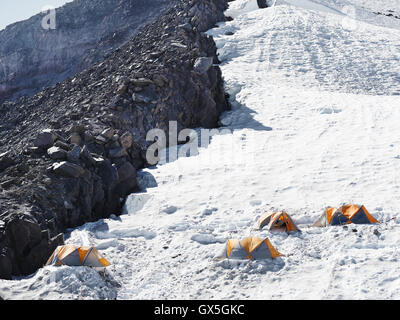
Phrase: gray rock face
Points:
(32, 57)
(203, 64)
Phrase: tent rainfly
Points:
(71, 255)
(252, 248)
(346, 214)
(277, 221)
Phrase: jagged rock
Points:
(33, 150)
(87, 137)
(106, 170)
(6, 161)
(140, 98)
(108, 133)
(155, 55)
(24, 237)
(159, 80)
(115, 139)
(78, 128)
(101, 139)
(203, 64)
(57, 153)
(142, 82)
(127, 179)
(7, 183)
(186, 26)
(68, 169)
(5, 267)
(74, 154)
(45, 139)
(62, 145)
(178, 45)
(86, 157)
(126, 171)
(117, 152)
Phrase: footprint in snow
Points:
(132, 233)
(169, 209)
(329, 110)
(209, 211)
(203, 238)
(181, 226)
(255, 203)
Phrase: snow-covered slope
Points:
(316, 96)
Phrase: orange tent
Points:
(277, 221)
(346, 214)
(252, 248)
(71, 255)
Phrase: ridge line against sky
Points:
(12, 11)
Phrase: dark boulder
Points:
(29, 248)
(44, 139)
(57, 153)
(5, 267)
(262, 4)
(68, 169)
(6, 161)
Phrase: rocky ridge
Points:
(33, 57)
(69, 154)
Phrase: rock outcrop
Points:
(32, 57)
(262, 4)
(69, 154)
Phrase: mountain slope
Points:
(69, 154)
(32, 58)
(315, 98)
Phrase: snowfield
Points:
(315, 93)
